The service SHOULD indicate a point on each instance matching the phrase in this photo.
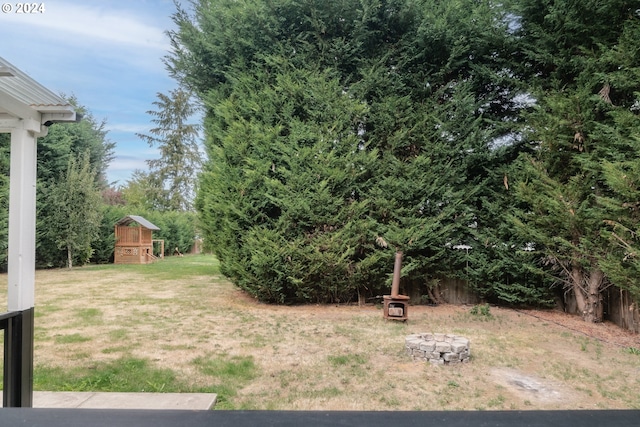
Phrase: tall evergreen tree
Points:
(580, 83)
(622, 171)
(622, 263)
(67, 140)
(174, 173)
(281, 195)
(417, 92)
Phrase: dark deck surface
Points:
(151, 418)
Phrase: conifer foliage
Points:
(281, 194)
(581, 61)
(171, 180)
(339, 132)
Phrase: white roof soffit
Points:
(21, 97)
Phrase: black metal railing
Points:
(18, 358)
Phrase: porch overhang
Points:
(27, 109)
(26, 104)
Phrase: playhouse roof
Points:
(140, 220)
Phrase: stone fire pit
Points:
(439, 349)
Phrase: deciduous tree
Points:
(75, 206)
(66, 144)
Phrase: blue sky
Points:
(108, 54)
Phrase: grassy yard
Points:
(178, 326)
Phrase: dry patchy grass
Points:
(181, 316)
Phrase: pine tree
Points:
(174, 173)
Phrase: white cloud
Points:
(127, 163)
(92, 23)
(128, 127)
(108, 54)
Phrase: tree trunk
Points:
(586, 288)
(434, 294)
(594, 310)
(577, 278)
(69, 257)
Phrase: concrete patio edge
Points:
(103, 400)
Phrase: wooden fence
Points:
(619, 307)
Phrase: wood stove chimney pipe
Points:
(395, 284)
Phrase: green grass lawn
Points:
(223, 374)
(178, 326)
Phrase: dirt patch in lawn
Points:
(531, 388)
(327, 357)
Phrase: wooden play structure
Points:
(134, 241)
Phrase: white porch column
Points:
(22, 218)
(25, 107)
